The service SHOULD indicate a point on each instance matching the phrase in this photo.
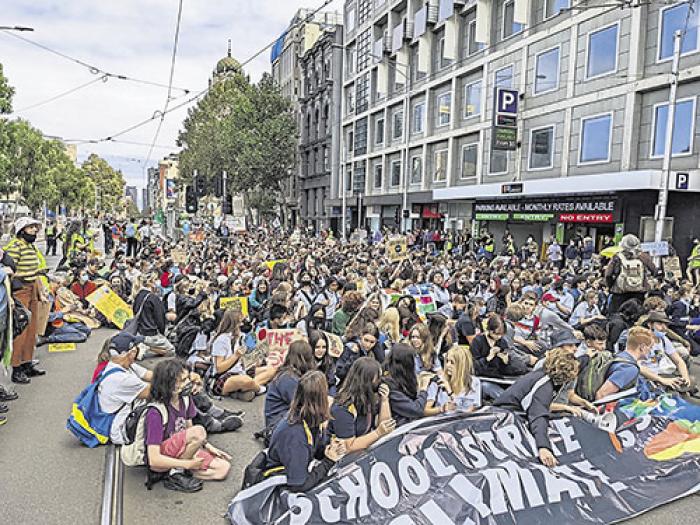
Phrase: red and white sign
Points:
(605, 218)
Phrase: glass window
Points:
(684, 123)
(473, 45)
(440, 170)
(499, 162)
(416, 169)
(541, 148)
(362, 93)
(674, 19)
(418, 117)
(472, 99)
(348, 179)
(364, 49)
(510, 26)
(326, 159)
(397, 127)
(442, 61)
(444, 107)
(554, 7)
(602, 52)
(351, 142)
(361, 136)
(379, 131)
(595, 139)
(547, 71)
(395, 172)
(504, 77)
(378, 169)
(470, 154)
(350, 98)
(364, 8)
(350, 21)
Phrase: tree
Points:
(247, 130)
(6, 94)
(107, 183)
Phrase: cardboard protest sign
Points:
(672, 268)
(179, 256)
(483, 468)
(271, 264)
(389, 297)
(425, 305)
(335, 344)
(111, 306)
(278, 341)
(397, 249)
(231, 303)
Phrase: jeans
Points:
(69, 333)
(491, 390)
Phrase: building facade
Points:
(132, 192)
(320, 109)
(593, 86)
(303, 32)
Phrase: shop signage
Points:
(492, 216)
(604, 218)
(571, 206)
(508, 189)
(533, 217)
(505, 139)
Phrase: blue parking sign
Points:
(506, 107)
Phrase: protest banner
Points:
(111, 306)
(397, 249)
(231, 303)
(482, 468)
(278, 341)
(62, 347)
(335, 345)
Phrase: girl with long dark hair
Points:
(324, 362)
(361, 413)
(298, 361)
(298, 439)
(366, 344)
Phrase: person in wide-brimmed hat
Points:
(30, 265)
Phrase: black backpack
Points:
(20, 318)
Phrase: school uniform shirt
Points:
(279, 397)
(480, 349)
(348, 357)
(623, 375)
(177, 422)
(662, 348)
(223, 347)
(465, 328)
(435, 367)
(463, 400)
(294, 446)
(533, 393)
(347, 423)
(404, 408)
(583, 311)
(116, 394)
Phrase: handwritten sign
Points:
(62, 347)
(335, 345)
(179, 256)
(111, 306)
(672, 268)
(235, 303)
(278, 341)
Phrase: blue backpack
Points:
(87, 421)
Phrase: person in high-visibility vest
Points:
(31, 266)
(694, 262)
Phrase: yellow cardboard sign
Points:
(228, 303)
(271, 264)
(397, 249)
(62, 347)
(111, 306)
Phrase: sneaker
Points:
(4, 409)
(8, 396)
(182, 483)
(225, 414)
(231, 423)
(261, 391)
(3, 420)
(244, 396)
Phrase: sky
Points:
(132, 38)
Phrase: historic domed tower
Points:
(226, 67)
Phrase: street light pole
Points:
(668, 145)
(344, 190)
(223, 191)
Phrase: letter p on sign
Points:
(682, 180)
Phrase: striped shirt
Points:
(26, 258)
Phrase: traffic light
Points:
(190, 200)
(397, 216)
(226, 206)
(406, 214)
(218, 185)
(200, 186)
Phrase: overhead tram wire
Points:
(203, 92)
(170, 84)
(103, 78)
(92, 68)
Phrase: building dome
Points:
(228, 64)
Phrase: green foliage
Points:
(6, 94)
(247, 130)
(109, 182)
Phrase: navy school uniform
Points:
(346, 423)
(404, 408)
(279, 397)
(348, 357)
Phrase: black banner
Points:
(482, 468)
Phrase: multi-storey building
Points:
(320, 109)
(304, 30)
(593, 84)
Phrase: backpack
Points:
(631, 278)
(133, 451)
(87, 421)
(595, 373)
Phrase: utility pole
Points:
(668, 146)
(223, 191)
(344, 189)
(407, 142)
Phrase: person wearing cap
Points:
(30, 264)
(658, 323)
(627, 273)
